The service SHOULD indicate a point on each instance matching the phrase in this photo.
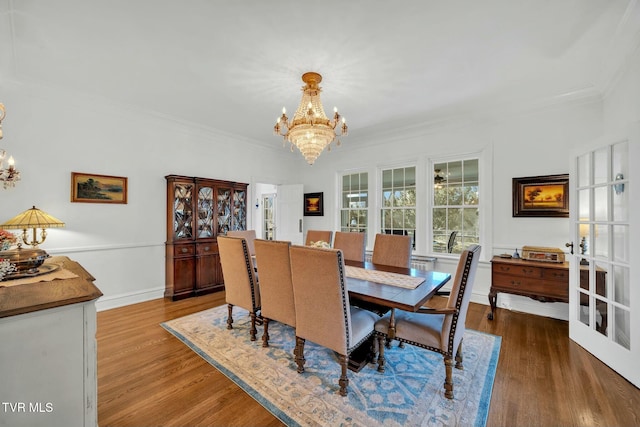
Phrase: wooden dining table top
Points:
(394, 296)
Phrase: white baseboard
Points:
(555, 310)
(115, 301)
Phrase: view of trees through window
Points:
(398, 213)
(455, 218)
(355, 202)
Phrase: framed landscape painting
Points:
(541, 196)
(92, 188)
(313, 204)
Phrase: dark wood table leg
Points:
(493, 296)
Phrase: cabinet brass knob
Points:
(206, 248)
(184, 250)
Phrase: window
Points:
(355, 202)
(398, 213)
(456, 206)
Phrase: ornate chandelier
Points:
(10, 175)
(310, 130)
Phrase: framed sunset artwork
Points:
(541, 196)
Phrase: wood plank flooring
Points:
(146, 377)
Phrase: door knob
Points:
(569, 245)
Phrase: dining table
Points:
(381, 288)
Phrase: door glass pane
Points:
(601, 280)
(584, 277)
(583, 204)
(583, 311)
(620, 202)
(601, 317)
(601, 244)
(621, 285)
(601, 205)
(584, 171)
(584, 230)
(620, 243)
(619, 160)
(600, 166)
(623, 327)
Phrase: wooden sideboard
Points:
(541, 281)
(48, 352)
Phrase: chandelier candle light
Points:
(10, 175)
(310, 130)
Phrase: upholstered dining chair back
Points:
(454, 326)
(248, 235)
(393, 250)
(240, 281)
(314, 236)
(276, 286)
(436, 329)
(351, 245)
(323, 313)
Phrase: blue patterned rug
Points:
(409, 392)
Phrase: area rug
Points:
(409, 393)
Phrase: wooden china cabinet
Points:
(198, 210)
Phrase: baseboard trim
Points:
(115, 301)
(555, 310)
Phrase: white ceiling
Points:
(232, 65)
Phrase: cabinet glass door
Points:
(205, 212)
(182, 211)
(239, 210)
(224, 210)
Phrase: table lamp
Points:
(27, 260)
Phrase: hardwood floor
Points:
(146, 377)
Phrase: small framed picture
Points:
(541, 196)
(92, 188)
(313, 204)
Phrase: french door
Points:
(604, 293)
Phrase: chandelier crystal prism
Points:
(311, 130)
(10, 175)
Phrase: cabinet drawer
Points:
(534, 287)
(184, 250)
(206, 248)
(518, 270)
(556, 275)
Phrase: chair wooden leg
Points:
(459, 357)
(253, 331)
(380, 353)
(230, 317)
(299, 352)
(265, 335)
(448, 381)
(343, 381)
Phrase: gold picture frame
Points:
(541, 196)
(93, 188)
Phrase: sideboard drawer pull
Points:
(206, 248)
(184, 250)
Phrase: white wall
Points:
(534, 142)
(51, 134)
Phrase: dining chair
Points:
(248, 235)
(351, 245)
(392, 249)
(437, 329)
(314, 236)
(452, 241)
(276, 287)
(240, 280)
(323, 313)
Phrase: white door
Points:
(289, 207)
(604, 292)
